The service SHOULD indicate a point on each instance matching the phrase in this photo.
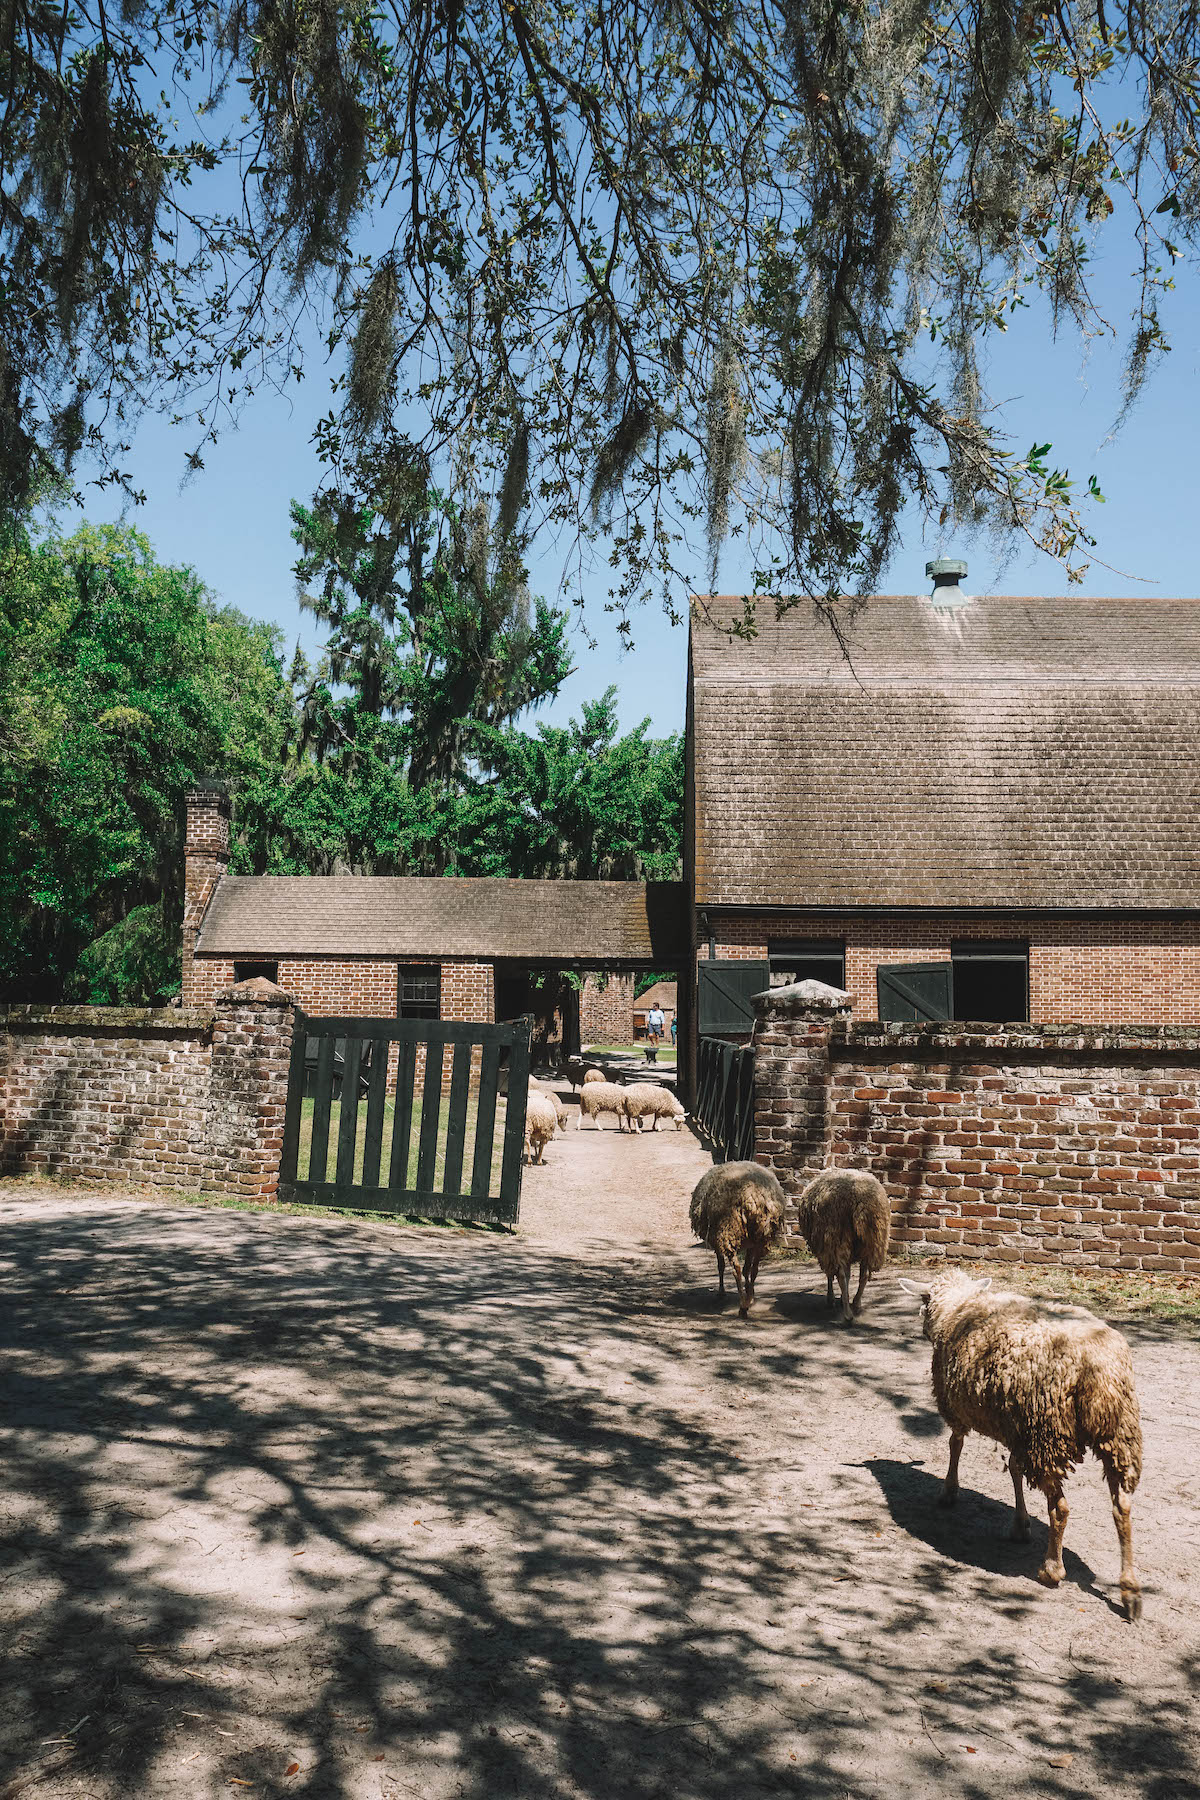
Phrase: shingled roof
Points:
(1007, 753)
(590, 922)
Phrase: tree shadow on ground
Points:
(461, 1517)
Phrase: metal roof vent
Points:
(946, 573)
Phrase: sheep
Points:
(647, 1100)
(738, 1206)
(541, 1122)
(1047, 1381)
(594, 1075)
(596, 1097)
(577, 1072)
(845, 1217)
(543, 1087)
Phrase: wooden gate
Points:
(725, 1098)
(358, 1133)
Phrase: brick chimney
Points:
(205, 855)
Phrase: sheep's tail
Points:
(872, 1226)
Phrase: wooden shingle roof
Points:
(1008, 753)
(376, 915)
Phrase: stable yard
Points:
(435, 1512)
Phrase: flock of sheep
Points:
(1048, 1382)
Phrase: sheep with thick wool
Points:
(1047, 1381)
(541, 1122)
(737, 1210)
(596, 1097)
(650, 1100)
(594, 1075)
(576, 1071)
(543, 1087)
(845, 1218)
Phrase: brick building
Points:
(984, 809)
(405, 946)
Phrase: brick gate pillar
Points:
(247, 1096)
(794, 1028)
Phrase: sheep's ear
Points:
(981, 1287)
(911, 1287)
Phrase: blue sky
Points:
(230, 521)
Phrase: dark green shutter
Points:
(910, 993)
(724, 992)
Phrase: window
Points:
(991, 979)
(807, 959)
(419, 991)
(247, 971)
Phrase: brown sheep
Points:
(1050, 1382)
(738, 1207)
(576, 1071)
(845, 1218)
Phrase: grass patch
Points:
(304, 1153)
(666, 1052)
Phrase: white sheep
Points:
(596, 1097)
(541, 1122)
(738, 1207)
(543, 1087)
(594, 1075)
(845, 1217)
(1050, 1382)
(649, 1100)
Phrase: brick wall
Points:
(1103, 969)
(205, 858)
(1065, 1144)
(185, 1098)
(606, 1011)
(357, 987)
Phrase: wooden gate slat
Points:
(376, 1113)
(348, 1119)
(514, 1123)
(456, 1124)
(318, 1154)
(431, 1107)
(294, 1110)
(485, 1122)
(406, 1076)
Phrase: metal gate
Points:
(725, 1098)
(358, 1133)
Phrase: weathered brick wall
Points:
(356, 987)
(1103, 969)
(187, 1097)
(1066, 1144)
(606, 1010)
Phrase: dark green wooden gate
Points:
(915, 993)
(361, 1131)
(725, 1098)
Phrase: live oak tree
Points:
(664, 268)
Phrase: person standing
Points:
(655, 1022)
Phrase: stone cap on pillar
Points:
(258, 991)
(802, 997)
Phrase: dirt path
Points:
(441, 1514)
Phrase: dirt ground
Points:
(439, 1513)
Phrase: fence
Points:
(725, 1097)
(353, 1092)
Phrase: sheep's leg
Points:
(753, 1258)
(1052, 1570)
(720, 1275)
(1021, 1527)
(829, 1300)
(745, 1296)
(950, 1491)
(1122, 1503)
(843, 1276)
(863, 1273)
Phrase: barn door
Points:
(723, 995)
(910, 993)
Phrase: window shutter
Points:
(910, 993)
(724, 992)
